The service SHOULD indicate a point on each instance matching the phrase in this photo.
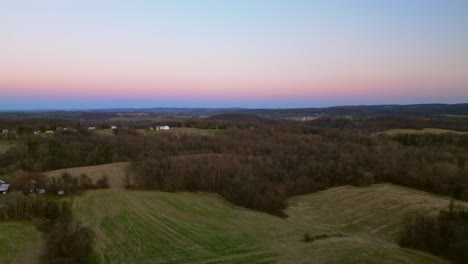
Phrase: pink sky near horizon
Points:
(250, 50)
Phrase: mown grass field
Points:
(156, 227)
(437, 131)
(20, 242)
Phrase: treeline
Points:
(445, 234)
(67, 241)
(368, 123)
(260, 168)
(239, 180)
(274, 160)
(69, 150)
(30, 182)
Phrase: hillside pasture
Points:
(155, 227)
(20, 242)
(352, 224)
(356, 225)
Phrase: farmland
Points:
(19, 243)
(437, 131)
(254, 191)
(115, 170)
(173, 130)
(359, 224)
(5, 145)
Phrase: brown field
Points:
(194, 131)
(114, 171)
(5, 145)
(104, 132)
(396, 132)
(182, 130)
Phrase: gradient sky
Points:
(239, 53)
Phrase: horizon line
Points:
(214, 108)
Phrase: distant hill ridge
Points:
(236, 117)
(227, 113)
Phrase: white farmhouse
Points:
(162, 128)
(91, 128)
(113, 127)
(50, 132)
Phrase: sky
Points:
(64, 54)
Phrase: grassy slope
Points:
(20, 242)
(156, 227)
(369, 218)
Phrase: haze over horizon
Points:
(247, 53)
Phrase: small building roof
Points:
(4, 187)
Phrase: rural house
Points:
(162, 128)
(4, 188)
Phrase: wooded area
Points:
(257, 164)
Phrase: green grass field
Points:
(156, 227)
(20, 242)
(362, 225)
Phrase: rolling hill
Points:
(353, 225)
